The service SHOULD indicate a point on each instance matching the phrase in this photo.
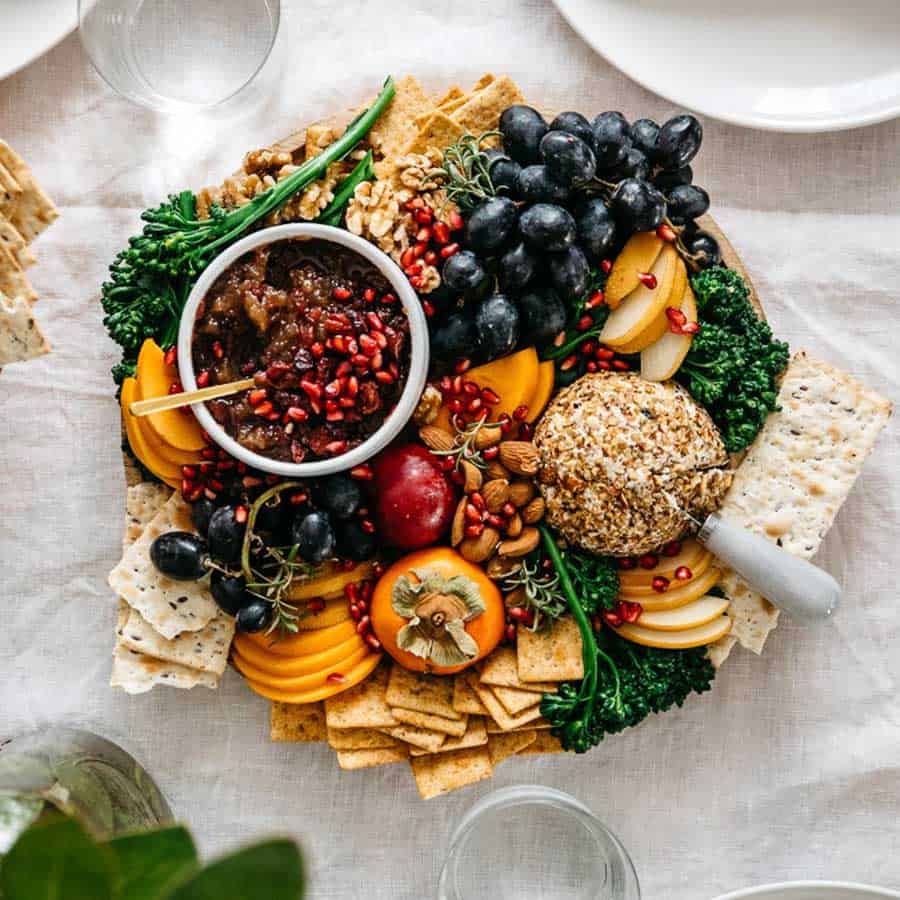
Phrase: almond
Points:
(473, 476)
(436, 438)
(458, 528)
(520, 457)
(496, 469)
(488, 435)
(495, 493)
(522, 545)
(534, 511)
(515, 598)
(500, 567)
(514, 526)
(521, 493)
(477, 550)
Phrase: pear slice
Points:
(662, 360)
(635, 579)
(638, 255)
(660, 325)
(693, 615)
(677, 594)
(641, 307)
(677, 640)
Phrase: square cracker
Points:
(482, 111)
(366, 759)
(363, 706)
(136, 673)
(142, 502)
(206, 649)
(21, 337)
(421, 738)
(13, 280)
(15, 243)
(465, 700)
(397, 127)
(456, 727)
(423, 693)
(501, 669)
(508, 743)
(544, 742)
(32, 211)
(514, 700)
(440, 773)
(797, 474)
(297, 722)
(359, 739)
(170, 607)
(535, 725)
(553, 655)
(475, 736)
(500, 715)
(439, 132)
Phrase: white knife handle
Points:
(801, 589)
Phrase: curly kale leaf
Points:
(734, 363)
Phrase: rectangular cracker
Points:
(465, 700)
(544, 742)
(514, 700)
(475, 736)
(482, 111)
(396, 127)
(21, 337)
(15, 243)
(438, 132)
(508, 743)
(455, 727)
(797, 474)
(535, 725)
(32, 211)
(10, 191)
(142, 502)
(302, 723)
(440, 773)
(363, 706)
(501, 669)
(136, 673)
(170, 607)
(421, 738)
(13, 280)
(359, 739)
(424, 693)
(206, 649)
(500, 715)
(553, 655)
(366, 759)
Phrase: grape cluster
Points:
(566, 197)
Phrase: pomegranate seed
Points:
(660, 584)
(311, 389)
(424, 216)
(506, 424)
(520, 413)
(388, 299)
(355, 612)
(369, 295)
(414, 204)
(489, 396)
(474, 531)
(568, 362)
(175, 387)
(202, 379)
(666, 233)
(510, 633)
(495, 521)
(362, 473)
(255, 397)
(456, 221)
(449, 250)
(604, 365)
(612, 618)
(630, 612)
(362, 626)
(508, 510)
(673, 548)
(240, 512)
(596, 299)
(417, 282)
(316, 605)
(170, 356)
(490, 453)
(621, 365)
(648, 561)
(373, 642)
(690, 328)
(520, 614)
(462, 365)
(384, 377)
(317, 350)
(588, 348)
(584, 323)
(218, 350)
(374, 321)
(334, 416)
(526, 431)
(474, 405)
(335, 447)
(189, 472)
(351, 592)
(423, 236)
(251, 481)
(296, 414)
(606, 266)
(473, 514)
(336, 678)
(683, 573)
(676, 318)
(341, 293)
(627, 563)
(441, 232)
(264, 409)
(368, 526)
(430, 258)
(648, 279)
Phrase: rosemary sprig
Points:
(542, 594)
(467, 172)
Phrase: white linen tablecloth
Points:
(789, 769)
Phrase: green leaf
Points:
(57, 860)
(272, 870)
(151, 864)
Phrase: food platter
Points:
(515, 570)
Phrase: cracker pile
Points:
(453, 731)
(168, 632)
(25, 211)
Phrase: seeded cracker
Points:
(136, 673)
(32, 211)
(13, 280)
(297, 722)
(423, 693)
(20, 335)
(15, 243)
(363, 706)
(797, 474)
(475, 736)
(455, 727)
(441, 773)
(142, 502)
(9, 190)
(170, 607)
(508, 743)
(553, 655)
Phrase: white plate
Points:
(31, 28)
(781, 65)
(812, 890)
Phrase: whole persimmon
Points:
(435, 612)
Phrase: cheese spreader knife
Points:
(802, 590)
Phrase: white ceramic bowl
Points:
(812, 890)
(418, 368)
